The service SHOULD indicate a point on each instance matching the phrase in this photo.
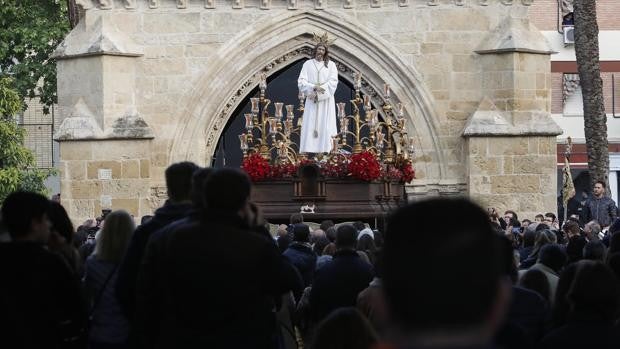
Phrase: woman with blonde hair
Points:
(109, 327)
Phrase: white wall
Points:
(609, 49)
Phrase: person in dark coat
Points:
(600, 207)
(300, 253)
(41, 304)
(338, 283)
(178, 206)
(212, 282)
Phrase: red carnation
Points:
(365, 166)
(257, 167)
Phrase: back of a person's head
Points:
(331, 234)
(594, 278)
(545, 237)
(594, 250)
(345, 328)
(559, 310)
(198, 179)
(529, 238)
(542, 226)
(61, 223)
(296, 218)
(301, 232)
(179, 180)
(552, 256)
(462, 257)
(227, 190)
(571, 228)
(326, 224)
(615, 226)
(20, 209)
(330, 249)
(594, 227)
(346, 236)
(536, 281)
(320, 245)
(532, 227)
(113, 239)
(366, 243)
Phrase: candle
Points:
(278, 107)
(248, 121)
(273, 125)
(263, 81)
(386, 90)
(254, 102)
(400, 110)
(358, 80)
(290, 114)
(341, 110)
(366, 101)
(243, 141)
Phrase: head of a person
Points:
(320, 245)
(366, 243)
(359, 225)
(571, 229)
(326, 224)
(594, 278)
(549, 218)
(525, 223)
(282, 230)
(330, 249)
(594, 250)
(553, 256)
(227, 190)
(539, 218)
(592, 229)
(331, 234)
(321, 52)
(316, 234)
(114, 237)
(301, 233)
(599, 188)
(346, 237)
(61, 223)
(544, 237)
(536, 281)
(419, 307)
(296, 218)
(345, 328)
(198, 180)
(25, 216)
(145, 219)
(510, 214)
(529, 238)
(179, 180)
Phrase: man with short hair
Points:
(178, 206)
(435, 299)
(300, 253)
(539, 218)
(600, 207)
(338, 283)
(213, 282)
(41, 303)
(551, 260)
(592, 230)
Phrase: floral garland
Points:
(365, 166)
(336, 167)
(257, 167)
(408, 173)
(286, 170)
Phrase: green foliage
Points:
(30, 30)
(17, 164)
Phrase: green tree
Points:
(30, 30)
(595, 119)
(17, 164)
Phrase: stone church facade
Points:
(145, 83)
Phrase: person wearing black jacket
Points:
(178, 206)
(300, 253)
(212, 282)
(41, 304)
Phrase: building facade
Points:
(143, 84)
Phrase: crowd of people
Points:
(205, 271)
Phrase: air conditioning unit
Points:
(569, 34)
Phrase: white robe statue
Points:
(319, 119)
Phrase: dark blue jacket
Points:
(338, 283)
(304, 259)
(603, 210)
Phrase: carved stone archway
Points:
(204, 112)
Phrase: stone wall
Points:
(180, 68)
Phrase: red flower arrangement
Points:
(365, 166)
(408, 173)
(393, 174)
(287, 170)
(336, 167)
(257, 167)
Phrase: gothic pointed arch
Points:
(203, 113)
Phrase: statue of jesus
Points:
(318, 81)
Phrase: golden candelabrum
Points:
(387, 138)
(274, 132)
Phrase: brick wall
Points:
(543, 14)
(557, 105)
